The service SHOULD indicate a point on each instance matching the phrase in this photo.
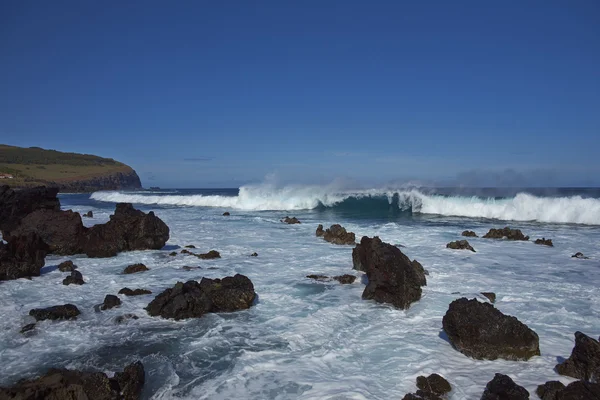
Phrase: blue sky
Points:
(217, 94)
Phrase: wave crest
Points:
(522, 207)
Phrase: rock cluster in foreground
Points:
(393, 278)
(503, 387)
(480, 331)
(336, 234)
(58, 384)
(22, 257)
(578, 390)
(193, 299)
(584, 362)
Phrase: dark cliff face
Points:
(113, 181)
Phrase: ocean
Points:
(317, 340)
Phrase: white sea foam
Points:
(522, 207)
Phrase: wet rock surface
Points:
(460, 245)
(336, 234)
(502, 387)
(136, 292)
(110, 301)
(469, 234)
(67, 266)
(544, 242)
(506, 233)
(74, 279)
(480, 331)
(290, 221)
(66, 311)
(22, 257)
(584, 361)
(135, 268)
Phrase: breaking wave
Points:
(522, 207)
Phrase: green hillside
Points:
(70, 171)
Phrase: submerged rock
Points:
(67, 266)
(460, 245)
(193, 299)
(318, 277)
(188, 268)
(125, 317)
(173, 253)
(506, 232)
(27, 328)
(22, 257)
(74, 279)
(578, 390)
(337, 234)
(66, 311)
(491, 296)
(584, 362)
(393, 278)
(254, 254)
(209, 256)
(579, 255)
(319, 232)
(544, 241)
(110, 301)
(88, 214)
(77, 385)
(502, 387)
(469, 234)
(226, 214)
(345, 279)
(137, 292)
(480, 331)
(190, 246)
(289, 220)
(135, 268)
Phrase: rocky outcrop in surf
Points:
(22, 257)
(193, 299)
(503, 387)
(584, 362)
(63, 231)
(290, 221)
(110, 301)
(77, 385)
(432, 387)
(135, 268)
(469, 234)
(480, 331)
(134, 292)
(506, 233)
(460, 245)
(336, 234)
(578, 390)
(66, 311)
(544, 242)
(393, 278)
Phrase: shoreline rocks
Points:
(503, 387)
(584, 361)
(67, 266)
(432, 387)
(136, 292)
(193, 299)
(290, 221)
(336, 234)
(578, 390)
(506, 233)
(110, 301)
(480, 331)
(135, 268)
(460, 245)
(580, 256)
(469, 234)
(345, 279)
(393, 278)
(544, 242)
(22, 257)
(74, 279)
(78, 385)
(63, 312)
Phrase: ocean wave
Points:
(522, 207)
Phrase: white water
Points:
(306, 340)
(523, 207)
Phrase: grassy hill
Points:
(70, 171)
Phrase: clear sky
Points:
(220, 93)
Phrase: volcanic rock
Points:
(88, 214)
(110, 301)
(337, 234)
(480, 331)
(504, 388)
(393, 278)
(190, 246)
(67, 311)
(28, 328)
(209, 256)
(491, 296)
(254, 254)
(318, 277)
(579, 255)
(134, 268)
(123, 318)
(22, 257)
(74, 279)
(137, 292)
(226, 214)
(67, 266)
(319, 232)
(345, 279)
(584, 362)
(16, 204)
(193, 299)
(460, 245)
(469, 234)
(510, 234)
(289, 220)
(549, 390)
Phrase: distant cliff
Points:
(71, 172)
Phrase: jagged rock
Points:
(16, 204)
(188, 268)
(22, 257)
(579, 255)
(184, 251)
(319, 232)
(337, 234)
(193, 299)
(421, 272)
(549, 390)
(28, 328)
(226, 214)
(318, 277)
(67, 266)
(59, 384)
(460, 245)
(254, 254)
(469, 234)
(345, 279)
(289, 220)
(209, 256)
(393, 278)
(190, 246)
(123, 318)
(544, 241)
(506, 232)
(480, 331)
(128, 229)
(173, 253)
(137, 292)
(584, 362)
(434, 383)
(66, 311)
(578, 390)
(504, 388)
(491, 296)
(74, 279)
(110, 301)
(134, 268)
(88, 214)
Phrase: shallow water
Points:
(305, 339)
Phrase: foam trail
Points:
(522, 207)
